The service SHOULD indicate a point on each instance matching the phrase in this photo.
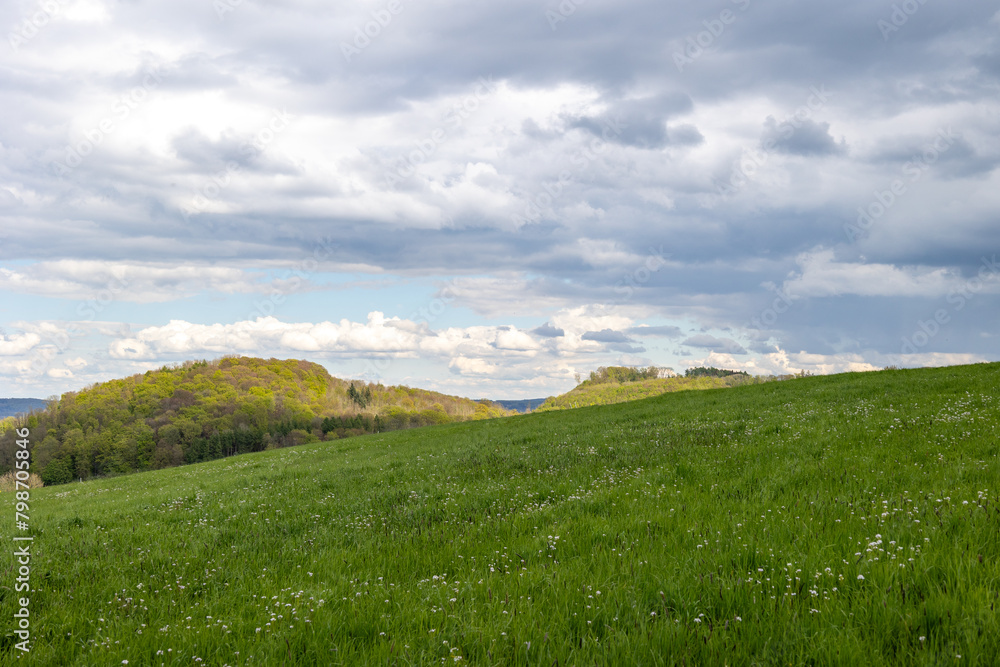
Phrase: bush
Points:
(711, 371)
(9, 482)
(623, 374)
(58, 471)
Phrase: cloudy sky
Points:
(485, 198)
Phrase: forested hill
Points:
(206, 410)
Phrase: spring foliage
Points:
(203, 410)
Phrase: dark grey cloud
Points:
(706, 341)
(989, 63)
(659, 332)
(606, 336)
(856, 325)
(201, 151)
(642, 123)
(806, 137)
(625, 348)
(548, 331)
(947, 152)
(532, 130)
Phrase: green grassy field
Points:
(843, 520)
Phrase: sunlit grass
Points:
(832, 520)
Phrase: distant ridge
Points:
(524, 405)
(11, 407)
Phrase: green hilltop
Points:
(836, 520)
(204, 410)
(618, 384)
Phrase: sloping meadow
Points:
(848, 519)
